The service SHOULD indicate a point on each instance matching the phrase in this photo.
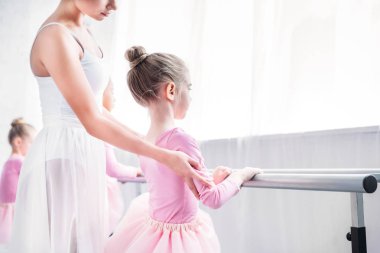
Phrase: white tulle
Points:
(61, 198)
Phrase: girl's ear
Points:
(16, 143)
(170, 91)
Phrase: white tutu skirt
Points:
(61, 199)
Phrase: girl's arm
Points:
(12, 173)
(61, 58)
(216, 195)
(116, 169)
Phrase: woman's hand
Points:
(185, 167)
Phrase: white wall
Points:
(18, 92)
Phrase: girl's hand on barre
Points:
(139, 172)
(220, 173)
(245, 174)
(248, 173)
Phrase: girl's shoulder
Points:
(177, 137)
(179, 140)
(14, 162)
(16, 158)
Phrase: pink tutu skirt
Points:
(138, 232)
(115, 203)
(6, 220)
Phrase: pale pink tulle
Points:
(115, 203)
(137, 232)
(6, 220)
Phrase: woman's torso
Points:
(54, 107)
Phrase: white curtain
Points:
(272, 67)
(258, 67)
(263, 66)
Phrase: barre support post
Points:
(357, 236)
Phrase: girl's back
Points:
(170, 199)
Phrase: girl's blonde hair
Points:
(149, 71)
(19, 128)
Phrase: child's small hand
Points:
(139, 172)
(220, 173)
(248, 173)
(245, 174)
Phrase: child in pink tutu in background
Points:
(115, 171)
(20, 137)
(168, 219)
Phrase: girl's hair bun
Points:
(17, 122)
(135, 55)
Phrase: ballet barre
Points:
(354, 181)
(374, 172)
(359, 183)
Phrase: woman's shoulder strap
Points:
(64, 27)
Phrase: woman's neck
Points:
(161, 120)
(68, 13)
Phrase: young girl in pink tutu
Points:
(168, 219)
(20, 137)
